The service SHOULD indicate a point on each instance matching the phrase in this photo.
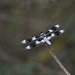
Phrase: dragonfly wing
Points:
(53, 28)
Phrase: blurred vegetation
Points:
(20, 19)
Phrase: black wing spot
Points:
(53, 28)
(41, 32)
(57, 33)
(40, 39)
(29, 40)
(48, 35)
(47, 32)
(33, 44)
(37, 36)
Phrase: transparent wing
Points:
(43, 40)
(38, 36)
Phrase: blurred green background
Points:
(20, 19)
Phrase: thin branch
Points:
(57, 60)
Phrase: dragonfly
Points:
(42, 37)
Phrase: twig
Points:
(57, 60)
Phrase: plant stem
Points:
(57, 60)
